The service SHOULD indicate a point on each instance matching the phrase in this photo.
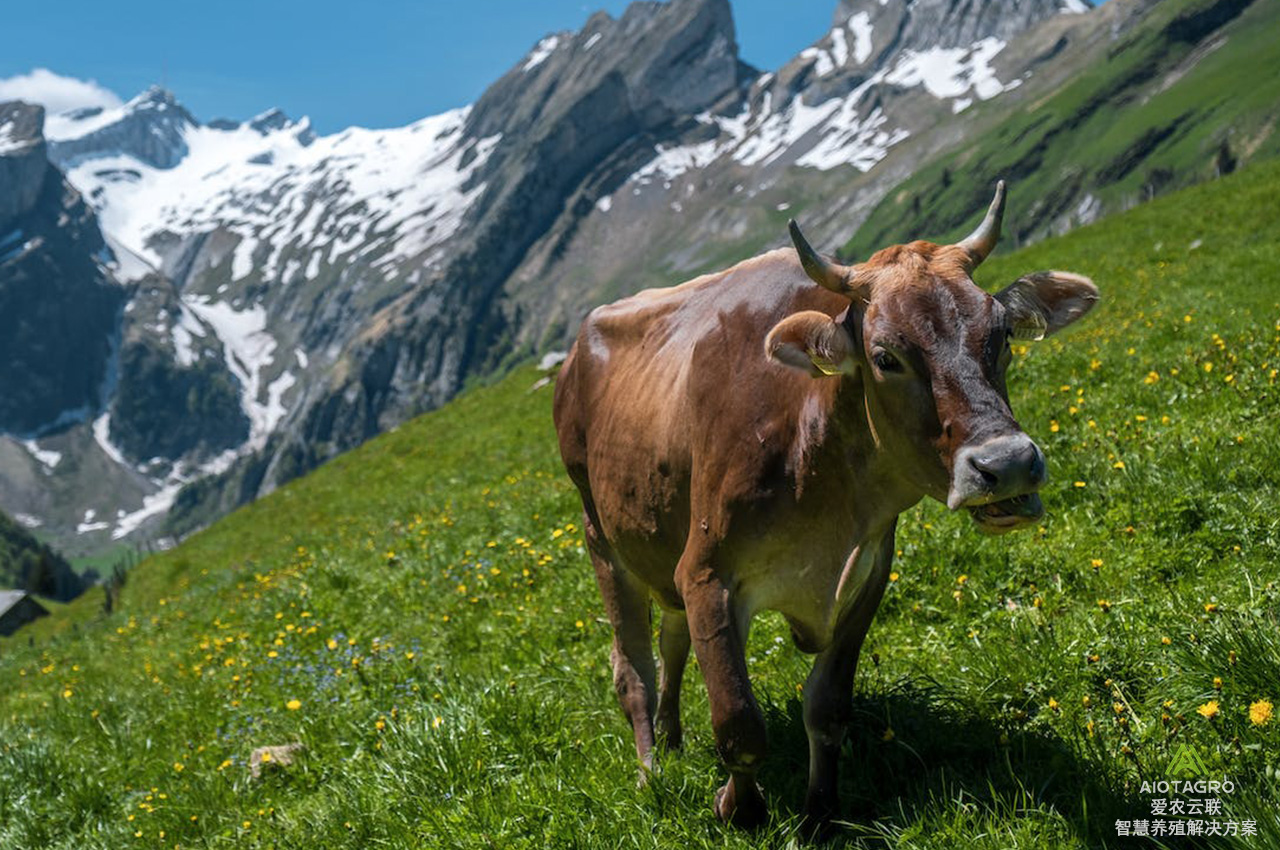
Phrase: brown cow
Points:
(746, 440)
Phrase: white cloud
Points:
(56, 92)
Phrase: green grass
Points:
(426, 601)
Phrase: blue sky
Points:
(378, 64)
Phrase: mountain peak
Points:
(151, 127)
(663, 59)
(273, 119)
(21, 127)
(154, 95)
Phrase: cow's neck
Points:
(844, 450)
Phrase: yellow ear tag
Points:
(827, 368)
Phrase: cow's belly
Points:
(812, 589)
(811, 578)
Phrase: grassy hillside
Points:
(1191, 93)
(420, 615)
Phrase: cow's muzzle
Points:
(997, 481)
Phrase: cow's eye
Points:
(885, 361)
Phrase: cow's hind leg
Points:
(673, 643)
(718, 639)
(828, 693)
(627, 602)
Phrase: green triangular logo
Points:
(1187, 763)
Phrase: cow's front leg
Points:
(828, 692)
(718, 640)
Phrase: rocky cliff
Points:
(58, 306)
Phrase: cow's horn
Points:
(825, 273)
(982, 241)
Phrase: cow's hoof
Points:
(649, 769)
(670, 738)
(819, 826)
(744, 814)
(820, 809)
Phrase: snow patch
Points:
(102, 436)
(850, 140)
(839, 47)
(1074, 7)
(48, 458)
(671, 162)
(860, 25)
(88, 524)
(155, 504)
(780, 130)
(947, 72)
(275, 410)
(591, 42)
(184, 333)
(249, 351)
(823, 63)
(9, 142)
(327, 194)
(605, 204)
(242, 258)
(1088, 210)
(125, 265)
(28, 521)
(540, 52)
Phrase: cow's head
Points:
(930, 350)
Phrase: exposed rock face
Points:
(164, 409)
(922, 25)
(58, 308)
(582, 108)
(23, 160)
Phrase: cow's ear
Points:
(1042, 303)
(812, 342)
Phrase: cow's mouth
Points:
(1007, 514)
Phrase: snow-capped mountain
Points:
(290, 295)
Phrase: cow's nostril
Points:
(1037, 468)
(986, 470)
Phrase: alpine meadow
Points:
(419, 615)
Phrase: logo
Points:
(1187, 763)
